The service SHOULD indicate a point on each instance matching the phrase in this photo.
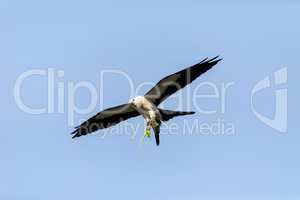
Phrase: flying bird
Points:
(147, 105)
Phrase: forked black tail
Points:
(169, 114)
(156, 134)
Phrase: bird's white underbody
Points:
(148, 110)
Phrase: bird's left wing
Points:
(105, 119)
(172, 83)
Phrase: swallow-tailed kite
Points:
(147, 105)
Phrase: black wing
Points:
(105, 119)
(172, 83)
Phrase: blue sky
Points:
(148, 40)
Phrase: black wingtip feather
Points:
(215, 60)
(76, 132)
(202, 61)
(79, 131)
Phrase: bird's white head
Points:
(136, 101)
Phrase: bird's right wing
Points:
(105, 119)
(172, 83)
